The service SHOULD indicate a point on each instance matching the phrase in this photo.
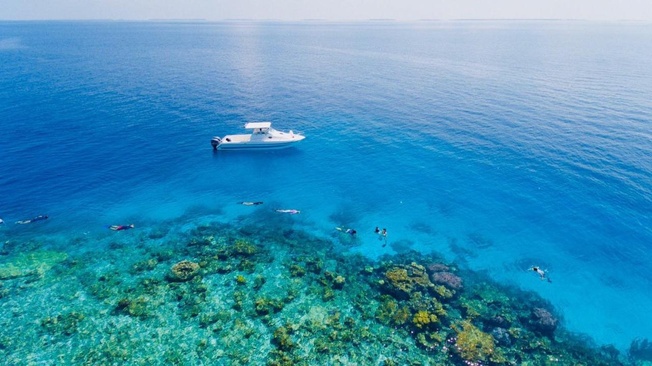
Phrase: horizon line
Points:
(375, 20)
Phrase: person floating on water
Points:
(541, 273)
(37, 218)
(348, 231)
(291, 211)
(246, 203)
(121, 227)
(383, 235)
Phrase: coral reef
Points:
(543, 321)
(33, 263)
(447, 279)
(401, 281)
(183, 271)
(272, 295)
(423, 319)
(472, 343)
(62, 323)
(640, 350)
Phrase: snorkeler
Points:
(541, 273)
(37, 218)
(382, 235)
(291, 211)
(121, 227)
(246, 203)
(348, 231)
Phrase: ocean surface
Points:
(499, 145)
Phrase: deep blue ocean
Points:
(500, 145)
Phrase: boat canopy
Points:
(253, 125)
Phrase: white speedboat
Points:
(263, 136)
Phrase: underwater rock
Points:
(543, 322)
(259, 281)
(501, 336)
(498, 321)
(27, 264)
(183, 271)
(641, 350)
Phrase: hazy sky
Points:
(326, 9)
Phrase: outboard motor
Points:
(215, 142)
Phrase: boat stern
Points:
(215, 142)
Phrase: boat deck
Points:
(237, 138)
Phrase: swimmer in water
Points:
(348, 231)
(291, 211)
(37, 218)
(246, 203)
(382, 235)
(121, 227)
(541, 273)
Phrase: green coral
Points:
(402, 281)
(63, 323)
(314, 265)
(282, 338)
(297, 271)
(259, 281)
(333, 280)
(386, 310)
(472, 343)
(238, 299)
(423, 319)
(266, 306)
(136, 308)
(328, 294)
(244, 248)
(401, 316)
(247, 265)
(443, 292)
(474, 308)
(145, 265)
(240, 280)
(183, 271)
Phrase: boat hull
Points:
(254, 146)
(264, 137)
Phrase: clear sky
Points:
(326, 9)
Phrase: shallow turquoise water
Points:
(500, 145)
